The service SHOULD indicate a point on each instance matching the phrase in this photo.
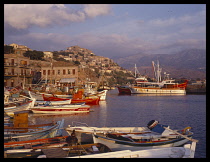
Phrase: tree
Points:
(8, 49)
(34, 55)
(77, 62)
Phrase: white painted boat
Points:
(187, 151)
(143, 86)
(61, 109)
(37, 96)
(54, 102)
(102, 94)
(156, 90)
(23, 106)
(135, 138)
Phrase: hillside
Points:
(188, 63)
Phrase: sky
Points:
(109, 30)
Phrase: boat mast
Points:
(153, 65)
(158, 72)
(135, 71)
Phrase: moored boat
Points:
(143, 86)
(124, 89)
(136, 138)
(53, 98)
(54, 102)
(61, 109)
(78, 97)
(58, 152)
(36, 144)
(10, 110)
(88, 101)
(187, 151)
(31, 132)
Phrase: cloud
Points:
(121, 38)
(93, 10)
(23, 16)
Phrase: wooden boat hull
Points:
(53, 98)
(44, 132)
(124, 90)
(187, 151)
(88, 101)
(134, 138)
(35, 144)
(11, 110)
(117, 145)
(58, 152)
(62, 109)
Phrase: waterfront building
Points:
(57, 72)
(17, 70)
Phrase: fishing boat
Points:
(20, 130)
(187, 151)
(58, 152)
(124, 89)
(102, 94)
(53, 98)
(38, 102)
(60, 109)
(88, 100)
(37, 95)
(58, 141)
(91, 90)
(20, 106)
(157, 88)
(136, 138)
(54, 102)
(143, 86)
(78, 97)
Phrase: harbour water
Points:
(177, 111)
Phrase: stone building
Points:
(17, 71)
(55, 72)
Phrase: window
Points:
(64, 71)
(48, 72)
(73, 71)
(69, 71)
(44, 72)
(59, 72)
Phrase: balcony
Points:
(11, 74)
(22, 75)
(10, 64)
(24, 66)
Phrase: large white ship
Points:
(167, 86)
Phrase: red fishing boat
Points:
(78, 97)
(182, 85)
(124, 90)
(53, 98)
(87, 101)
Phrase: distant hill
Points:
(188, 63)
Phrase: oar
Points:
(193, 140)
